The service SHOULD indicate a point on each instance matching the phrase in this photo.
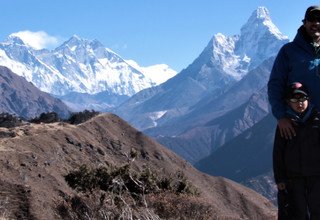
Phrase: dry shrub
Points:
(46, 117)
(9, 121)
(179, 206)
(123, 178)
(122, 192)
(80, 117)
(99, 205)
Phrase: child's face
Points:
(299, 103)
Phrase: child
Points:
(296, 161)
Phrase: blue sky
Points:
(150, 32)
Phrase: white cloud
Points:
(158, 73)
(38, 40)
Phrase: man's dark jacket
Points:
(297, 61)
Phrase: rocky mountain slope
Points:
(201, 131)
(24, 99)
(36, 158)
(199, 142)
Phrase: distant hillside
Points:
(36, 158)
(199, 142)
(247, 155)
(247, 158)
(24, 99)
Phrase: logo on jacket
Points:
(314, 64)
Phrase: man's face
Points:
(312, 25)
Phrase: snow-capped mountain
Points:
(78, 65)
(222, 63)
(259, 39)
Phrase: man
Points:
(297, 61)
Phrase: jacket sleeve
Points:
(277, 83)
(279, 170)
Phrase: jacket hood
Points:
(304, 40)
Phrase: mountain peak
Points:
(74, 44)
(74, 40)
(76, 37)
(261, 13)
(259, 16)
(259, 38)
(260, 22)
(14, 39)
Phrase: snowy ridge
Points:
(259, 37)
(258, 40)
(263, 14)
(78, 65)
(223, 55)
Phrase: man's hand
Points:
(286, 128)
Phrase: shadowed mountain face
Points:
(34, 162)
(200, 141)
(246, 158)
(23, 99)
(251, 153)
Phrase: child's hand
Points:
(281, 186)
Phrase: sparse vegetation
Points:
(118, 179)
(48, 117)
(75, 118)
(8, 120)
(125, 190)
(80, 117)
(174, 206)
